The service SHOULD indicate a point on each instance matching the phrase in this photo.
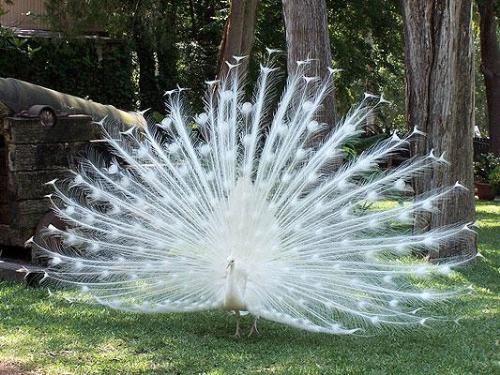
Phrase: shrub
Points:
(494, 178)
(75, 67)
(485, 166)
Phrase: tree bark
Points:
(307, 37)
(490, 67)
(239, 34)
(440, 102)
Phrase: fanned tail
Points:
(153, 229)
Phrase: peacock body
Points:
(242, 208)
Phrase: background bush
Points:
(74, 67)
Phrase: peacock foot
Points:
(254, 328)
(237, 334)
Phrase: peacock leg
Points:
(238, 330)
(254, 328)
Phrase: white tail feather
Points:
(268, 221)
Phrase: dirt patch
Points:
(8, 368)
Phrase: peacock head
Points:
(230, 262)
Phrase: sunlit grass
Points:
(55, 336)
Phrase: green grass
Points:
(53, 336)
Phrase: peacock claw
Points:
(237, 334)
(254, 329)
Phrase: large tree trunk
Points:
(307, 36)
(490, 67)
(239, 34)
(440, 102)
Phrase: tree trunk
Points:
(490, 67)
(307, 36)
(239, 34)
(149, 93)
(440, 102)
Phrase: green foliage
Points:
(494, 178)
(484, 166)
(481, 111)
(199, 27)
(354, 148)
(367, 43)
(182, 39)
(269, 33)
(9, 42)
(54, 336)
(73, 66)
(2, 10)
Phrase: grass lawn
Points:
(46, 335)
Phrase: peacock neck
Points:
(234, 289)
